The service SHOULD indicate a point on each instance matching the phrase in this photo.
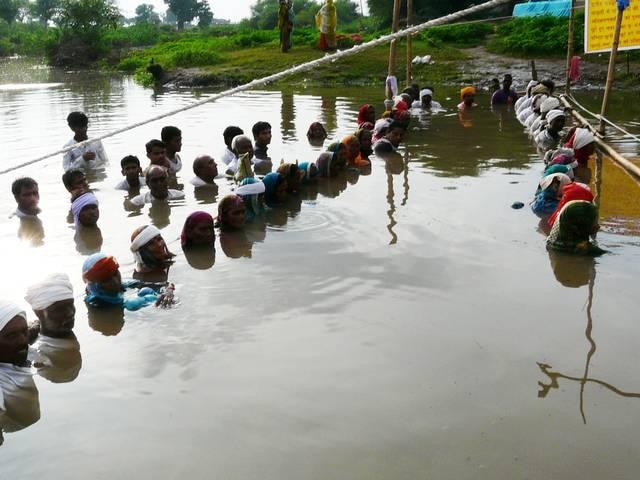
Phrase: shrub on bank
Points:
(459, 36)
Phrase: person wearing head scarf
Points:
(19, 400)
(231, 213)
(292, 173)
(325, 165)
(549, 193)
(391, 141)
(573, 191)
(104, 286)
(316, 134)
(538, 91)
(525, 101)
(150, 250)
(380, 129)
(252, 193)
(85, 210)
(426, 101)
(366, 113)
(583, 143)
(354, 157)
(365, 139)
(275, 189)
(326, 22)
(198, 230)
(309, 172)
(566, 169)
(52, 301)
(577, 221)
(468, 97)
(549, 104)
(549, 137)
(339, 154)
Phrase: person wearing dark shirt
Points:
(506, 95)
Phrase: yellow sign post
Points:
(599, 25)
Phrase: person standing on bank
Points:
(285, 24)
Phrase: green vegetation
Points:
(459, 36)
(544, 35)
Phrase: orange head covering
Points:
(467, 91)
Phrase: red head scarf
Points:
(573, 191)
(192, 220)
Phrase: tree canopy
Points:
(264, 13)
(187, 10)
(87, 19)
(423, 9)
(145, 12)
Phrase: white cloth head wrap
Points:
(548, 180)
(81, 202)
(424, 92)
(144, 236)
(8, 310)
(531, 84)
(549, 104)
(54, 288)
(381, 124)
(553, 114)
(251, 189)
(582, 137)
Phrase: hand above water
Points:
(167, 298)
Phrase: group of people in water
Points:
(563, 198)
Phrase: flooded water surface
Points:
(398, 325)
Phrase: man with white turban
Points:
(549, 138)
(52, 301)
(19, 404)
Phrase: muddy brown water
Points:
(403, 324)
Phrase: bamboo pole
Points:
(612, 68)
(629, 167)
(409, 43)
(567, 85)
(393, 44)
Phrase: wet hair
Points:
(260, 127)
(169, 133)
(69, 177)
(20, 183)
(550, 84)
(77, 119)
(128, 160)
(151, 144)
(229, 133)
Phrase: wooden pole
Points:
(567, 85)
(534, 72)
(392, 45)
(612, 68)
(409, 43)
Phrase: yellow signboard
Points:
(600, 19)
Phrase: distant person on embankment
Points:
(285, 24)
(327, 21)
(89, 155)
(506, 95)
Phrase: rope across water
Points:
(278, 76)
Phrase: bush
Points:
(542, 35)
(461, 36)
(195, 57)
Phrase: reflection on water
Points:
(374, 317)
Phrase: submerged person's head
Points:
(241, 145)
(25, 192)
(556, 120)
(426, 97)
(507, 81)
(468, 95)
(172, 138)
(316, 132)
(584, 142)
(352, 147)
(231, 212)
(204, 167)
(395, 134)
(292, 173)
(230, 133)
(130, 169)
(340, 154)
(14, 334)
(198, 230)
(261, 133)
(158, 182)
(326, 166)
(365, 137)
(85, 210)
(156, 152)
(78, 123)
(275, 188)
(309, 172)
(75, 181)
(366, 113)
(149, 248)
(252, 191)
(101, 272)
(550, 84)
(52, 301)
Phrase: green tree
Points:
(205, 16)
(423, 9)
(9, 10)
(87, 19)
(44, 10)
(145, 13)
(264, 13)
(187, 10)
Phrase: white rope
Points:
(277, 76)
(604, 119)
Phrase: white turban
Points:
(8, 310)
(381, 124)
(548, 180)
(81, 202)
(549, 104)
(531, 84)
(255, 188)
(553, 114)
(582, 137)
(54, 288)
(424, 92)
(144, 236)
